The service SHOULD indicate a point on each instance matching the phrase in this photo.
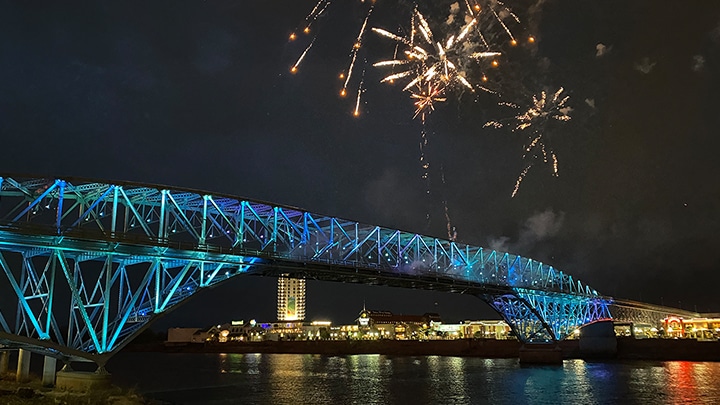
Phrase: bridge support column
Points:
(23, 366)
(4, 362)
(541, 353)
(598, 340)
(82, 381)
(49, 369)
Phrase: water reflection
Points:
(447, 380)
(693, 383)
(376, 379)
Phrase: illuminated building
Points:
(707, 327)
(290, 299)
(490, 329)
(385, 324)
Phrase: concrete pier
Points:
(82, 381)
(541, 353)
(4, 362)
(23, 366)
(598, 340)
(49, 370)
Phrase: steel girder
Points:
(539, 316)
(80, 301)
(70, 222)
(640, 312)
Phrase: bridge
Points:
(87, 265)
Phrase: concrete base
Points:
(23, 366)
(541, 353)
(4, 362)
(598, 340)
(49, 368)
(82, 381)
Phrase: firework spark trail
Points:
(319, 8)
(348, 76)
(451, 230)
(296, 66)
(424, 164)
(507, 30)
(361, 90)
(356, 47)
(519, 180)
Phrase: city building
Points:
(290, 299)
(386, 325)
(705, 328)
(491, 329)
(237, 331)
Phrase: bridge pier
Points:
(49, 370)
(4, 362)
(598, 340)
(82, 381)
(541, 353)
(23, 366)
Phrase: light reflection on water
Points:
(377, 379)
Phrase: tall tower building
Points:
(290, 298)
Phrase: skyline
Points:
(200, 96)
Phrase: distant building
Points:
(290, 299)
(489, 329)
(237, 331)
(385, 324)
(705, 328)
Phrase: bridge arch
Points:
(122, 254)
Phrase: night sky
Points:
(198, 94)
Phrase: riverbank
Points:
(33, 393)
(627, 348)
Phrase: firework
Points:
(426, 97)
(455, 57)
(534, 121)
(453, 53)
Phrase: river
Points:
(378, 379)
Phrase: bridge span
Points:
(86, 265)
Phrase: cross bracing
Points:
(643, 313)
(122, 254)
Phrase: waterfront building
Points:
(316, 330)
(704, 328)
(290, 298)
(386, 325)
(491, 329)
(236, 331)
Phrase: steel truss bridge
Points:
(86, 265)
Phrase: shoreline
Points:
(32, 392)
(627, 348)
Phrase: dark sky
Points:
(198, 94)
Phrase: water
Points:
(377, 379)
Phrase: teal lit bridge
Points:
(86, 265)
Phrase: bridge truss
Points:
(90, 263)
(635, 312)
